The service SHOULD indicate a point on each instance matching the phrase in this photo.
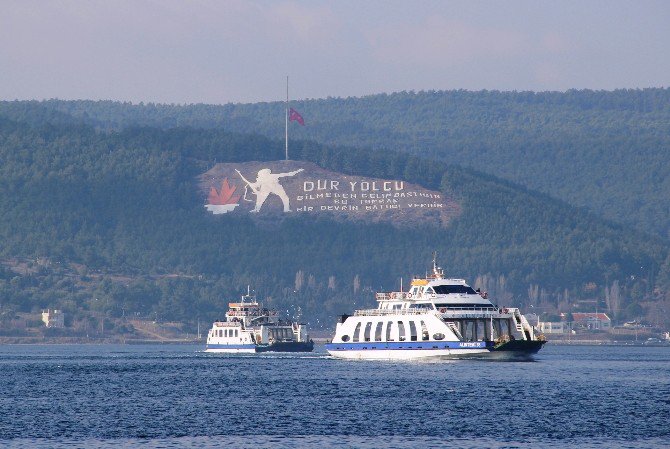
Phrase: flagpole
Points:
(286, 117)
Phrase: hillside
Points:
(114, 222)
(605, 151)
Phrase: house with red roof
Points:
(592, 321)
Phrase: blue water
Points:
(109, 396)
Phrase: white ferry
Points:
(249, 327)
(437, 317)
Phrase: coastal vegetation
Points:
(607, 152)
(109, 223)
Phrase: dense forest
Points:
(110, 221)
(605, 151)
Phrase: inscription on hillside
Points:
(293, 187)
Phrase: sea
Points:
(177, 396)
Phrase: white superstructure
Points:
(437, 317)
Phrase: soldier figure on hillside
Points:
(267, 183)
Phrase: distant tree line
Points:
(122, 224)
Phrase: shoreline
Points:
(94, 341)
(319, 340)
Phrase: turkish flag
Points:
(294, 115)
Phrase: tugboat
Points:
(437, 318)
(250, 328)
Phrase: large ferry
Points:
(249, 327)
(438, 317)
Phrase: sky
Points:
(241, 51)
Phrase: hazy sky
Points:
(241, 51)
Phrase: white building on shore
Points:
(554, 327)
(53, 318)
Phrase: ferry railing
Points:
(448, 310)
(374, 312)
(390, 296)
(249, 313)
(441, 311)
(469, 312)
(227, 323)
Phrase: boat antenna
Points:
(248, 295)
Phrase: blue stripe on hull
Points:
(215, 346)
(418, 345)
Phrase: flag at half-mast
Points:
(294, 115)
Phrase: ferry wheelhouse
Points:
(249, 327)
(437, 317)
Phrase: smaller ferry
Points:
(438, 317)
(249, 327)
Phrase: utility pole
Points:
(286, 117)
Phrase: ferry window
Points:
(496, 329)
(488, 329)
(389, 327)
(401, 331)
(430, 291)
(345, 338)
(412, 330)
(368, 328)
(447, 289)
(481, 330)
(469, 330)
(504, 327)
(397, 306)
(357, 332)
(378, 331)
(236, 332)
(438, 336)
(427, 306)
(424, 331)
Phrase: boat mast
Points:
(286, 118)
(438, 273)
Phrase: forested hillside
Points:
(112, 221)
(608, 152)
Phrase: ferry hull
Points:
(429, 350)
(284, 346)
(406, 354)
(231, 349)
(287, 346)
(520, 347)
